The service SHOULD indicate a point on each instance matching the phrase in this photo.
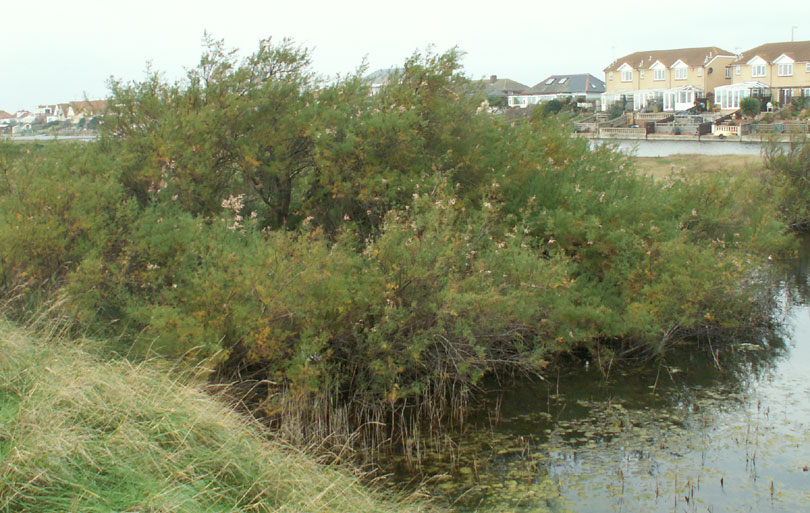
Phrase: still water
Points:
(643, 148)
(720, 427)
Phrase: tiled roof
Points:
(797, 50)
(6, 115)
(495, 86)
(382, 76)
(691, 56)
(568, 84)
(90, 106)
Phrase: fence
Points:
(616, 122)
(622, 132)
(589, 124)
(732, 130)
(660, 117)
(683, 128)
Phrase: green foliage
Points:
(616, 109)
(789, 179)
(367, 253)
(750, 106)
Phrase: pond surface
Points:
(718, 427)
(644, 148)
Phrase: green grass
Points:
(78, 433)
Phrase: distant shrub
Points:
(750, 106)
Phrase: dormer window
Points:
(786, 69)
(758, 70)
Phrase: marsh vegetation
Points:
(356, 267)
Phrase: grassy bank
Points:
(699, 166)
(81, 434)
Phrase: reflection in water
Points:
(709, 429)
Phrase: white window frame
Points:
(758, 70)
(610, 75)
(807, 67)
(700, 72)
(681, 73)
(660, 74)
(641, 74)
(806, 91)
(785, 70)
(738, 70)
(627, 76)
(728, 72)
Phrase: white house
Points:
(582, 85)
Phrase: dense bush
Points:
(365, 256)
(789, 178)
(750, 106)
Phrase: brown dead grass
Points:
(696, 166)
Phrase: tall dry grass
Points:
(78, 433)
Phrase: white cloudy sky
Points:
(56, 51)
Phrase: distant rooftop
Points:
(690, 56)
(583, 83)
(494, 86)
(382, 76)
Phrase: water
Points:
(644, 148)
(710, 429)
(44, 137)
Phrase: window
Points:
(786, 70)
(806, 91)
(737, 71)
(758, 70)
(680, 73)
(549, 81)
(728, 72)
(700, 72)
(807, 67)
(641, 75)
(627, 76)
(610, 76)
(562, 80)
(660, 74)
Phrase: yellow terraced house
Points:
(670, 80)
(777, 72)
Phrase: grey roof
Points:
(568, 84)
(382, 76)
(495, 86)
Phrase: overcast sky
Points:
(53, 52)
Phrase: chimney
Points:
(493, 79)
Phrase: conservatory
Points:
(728, 97)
